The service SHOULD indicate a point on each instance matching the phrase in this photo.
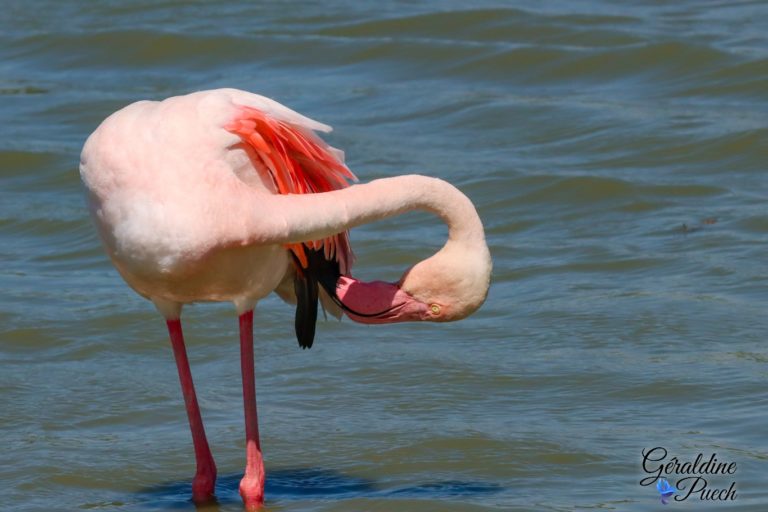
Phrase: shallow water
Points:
(617, 156)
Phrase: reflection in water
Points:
(301, 483)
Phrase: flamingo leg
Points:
(252, 484)
(205, 476)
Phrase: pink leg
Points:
(205, 476)
(252, 484)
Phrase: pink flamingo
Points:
(225, 195)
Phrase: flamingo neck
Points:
(314, 216)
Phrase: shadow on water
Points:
(306, 483)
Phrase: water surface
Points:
(616, 153)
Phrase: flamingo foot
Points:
(203, 484)
(252, 489)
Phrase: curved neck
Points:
(299, 218)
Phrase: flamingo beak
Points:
(378, 302)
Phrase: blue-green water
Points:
(616, 153)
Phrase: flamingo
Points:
(225, 195)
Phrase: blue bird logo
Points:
(665, 490)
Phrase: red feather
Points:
(298, 162)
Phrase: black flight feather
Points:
(326, 272)
(305, 286)
(319, 272)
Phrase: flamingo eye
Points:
(435, 309)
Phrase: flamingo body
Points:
(225, 195)
(164, 203)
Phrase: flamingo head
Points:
(450, 285)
